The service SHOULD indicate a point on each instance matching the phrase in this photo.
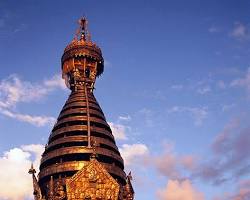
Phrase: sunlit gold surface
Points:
(81, 159)
(93, 182)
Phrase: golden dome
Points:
(82, 47)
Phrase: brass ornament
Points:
(93, 182)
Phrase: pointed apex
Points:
(32, 170)
(82, 32)
(128, 188)
(130, 176)
(83, 23)
(82, 60)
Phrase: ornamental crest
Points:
(92, 182)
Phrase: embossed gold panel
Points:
(92, 182)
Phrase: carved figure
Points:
(59, 192)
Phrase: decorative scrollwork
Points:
(92, 182)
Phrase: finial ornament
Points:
(82, 32)
(83, 23)
(37, 191)
(32, 170)
(130, 176)
(82, 60)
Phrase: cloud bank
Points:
(178, 190)
(15, 182)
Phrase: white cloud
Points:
(179, 190)
(229, 152)
(242, 192)
(240, 31)
(204, 90)
(55, 82)
(132, 153)
(199, 114)
(118, 130)
(124, 118)
(14, 91)
(167, 165)
(15, 182)
(34, 120)
(172, 165)
(188, 162)
(36, 150)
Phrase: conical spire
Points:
(81, 155)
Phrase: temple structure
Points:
(81, 159)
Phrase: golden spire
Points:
(82, 32)
(82, 60)
(81, 159)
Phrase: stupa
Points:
(81, 159)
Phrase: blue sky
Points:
(175, 90)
